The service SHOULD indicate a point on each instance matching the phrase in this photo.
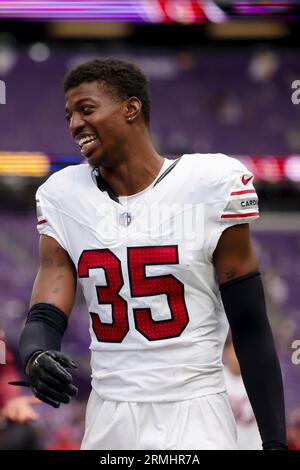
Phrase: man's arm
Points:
(234, 255)
(51, 303)
(243, 298)
(55, 282)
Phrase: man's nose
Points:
(76, 123)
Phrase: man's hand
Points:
(20, 409)
(49, 379)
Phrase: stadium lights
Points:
(39, 52)
(146, 11)
(24, 164)
(266, 168)
(247, 29)
(89, 30)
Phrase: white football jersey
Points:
(157, 323)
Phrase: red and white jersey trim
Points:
(244, 191)
(40, 217)
(240, 216)
(243, 204)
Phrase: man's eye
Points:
(86, 108)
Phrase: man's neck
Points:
(135, 171)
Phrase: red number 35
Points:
(140, 286)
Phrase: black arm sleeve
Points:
(244, 304)
(44, 328)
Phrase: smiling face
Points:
(98, 120)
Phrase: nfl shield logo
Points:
(125, 219)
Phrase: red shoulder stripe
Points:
(239, 216)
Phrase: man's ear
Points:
(133, 108)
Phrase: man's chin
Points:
(94, 160)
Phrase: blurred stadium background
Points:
(221, 77)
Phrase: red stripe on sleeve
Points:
(245, 191)
(239, 216)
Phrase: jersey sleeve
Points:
(237, 204)
(49, 220)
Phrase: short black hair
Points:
(122, 78)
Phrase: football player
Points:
(163, 253)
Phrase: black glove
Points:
(48, 377)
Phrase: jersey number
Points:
(140, 286)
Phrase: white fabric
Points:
(202, 423)
(248, 437)
(184, 211)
